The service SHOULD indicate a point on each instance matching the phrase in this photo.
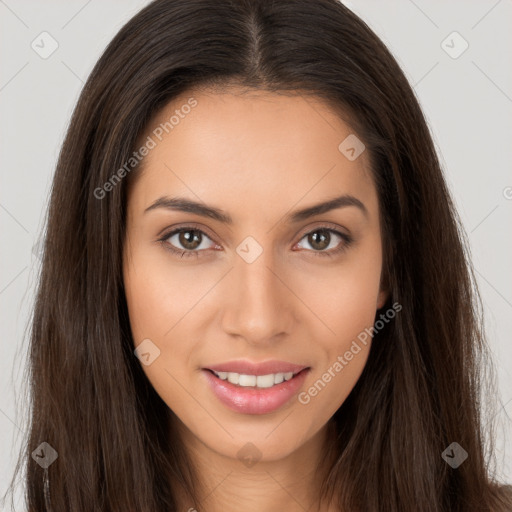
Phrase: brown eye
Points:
(323, 241)
(319, 239)
(190, 239)
(187, 241)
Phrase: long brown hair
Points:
(422, 387)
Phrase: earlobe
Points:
(382, 298)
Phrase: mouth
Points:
(255, 394)
(243, 380)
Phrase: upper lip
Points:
(246, 367)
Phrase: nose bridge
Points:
(258, 303)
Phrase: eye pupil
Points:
(314, 240)
(188, 241)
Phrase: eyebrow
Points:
(190, 206)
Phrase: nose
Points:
(259, 304)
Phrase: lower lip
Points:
(255, 400)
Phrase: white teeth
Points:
(265, 381)
(247, 380)
(233, 377)
(260, 381)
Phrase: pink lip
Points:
(252, 400)
(250, 368)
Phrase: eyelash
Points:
(188, 253)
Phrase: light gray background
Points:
(467, 101)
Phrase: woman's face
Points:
(252, 281)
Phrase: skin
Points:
(256, 156)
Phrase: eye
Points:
(321, 239)
(186, 241)
(190, 241)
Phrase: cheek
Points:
(152, 304)
(147, 304)
(342, 354)
(158, 294)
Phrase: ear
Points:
(383, 290)
(382, 298)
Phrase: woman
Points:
(255, 291)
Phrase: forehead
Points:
(271, 149)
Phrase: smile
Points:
(254, 394)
